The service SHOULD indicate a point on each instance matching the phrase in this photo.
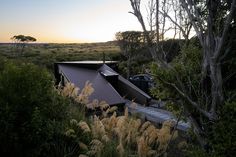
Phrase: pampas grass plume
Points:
(84, 126)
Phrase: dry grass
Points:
(145, 140)
(79, 48)
(47, 54)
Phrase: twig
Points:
(184, 95)
(175, 127)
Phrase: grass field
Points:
(47, 54)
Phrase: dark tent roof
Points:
(88, 62)
(107, 83)
(103, 89)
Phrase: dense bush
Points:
(223, 139)
(31, 112)
(186, 67)
(186, 75)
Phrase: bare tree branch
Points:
(176, 24)
(184, 95)
(194, 20)
(226, 30)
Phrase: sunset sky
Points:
(65, 21)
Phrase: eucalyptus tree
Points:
(213, 22)
(131, 43)
(164, 17)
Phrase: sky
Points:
(66, 21)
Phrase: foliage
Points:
(171, 47)
(21, 41)
(130, 42)
(35, 120)
(31, 112)
(116, 135)
(137, 57)
(132, 47)
(223, 138)
(203, 90)
(184, 74)
(137, 66)
(186, 66)
(195, 151)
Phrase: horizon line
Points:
(62, 42)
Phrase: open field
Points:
(47, 54)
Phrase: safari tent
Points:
(108, 85)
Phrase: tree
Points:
(160, 23)
(131, 43)
(213, 22)
(22, 40)
(212, 34)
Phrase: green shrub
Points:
(188, 70)
(195, 151)
(31, 112)
(224, 137)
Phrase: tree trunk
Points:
(128, 66)
(216, 87)
(157, 22)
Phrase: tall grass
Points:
(117, 135)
